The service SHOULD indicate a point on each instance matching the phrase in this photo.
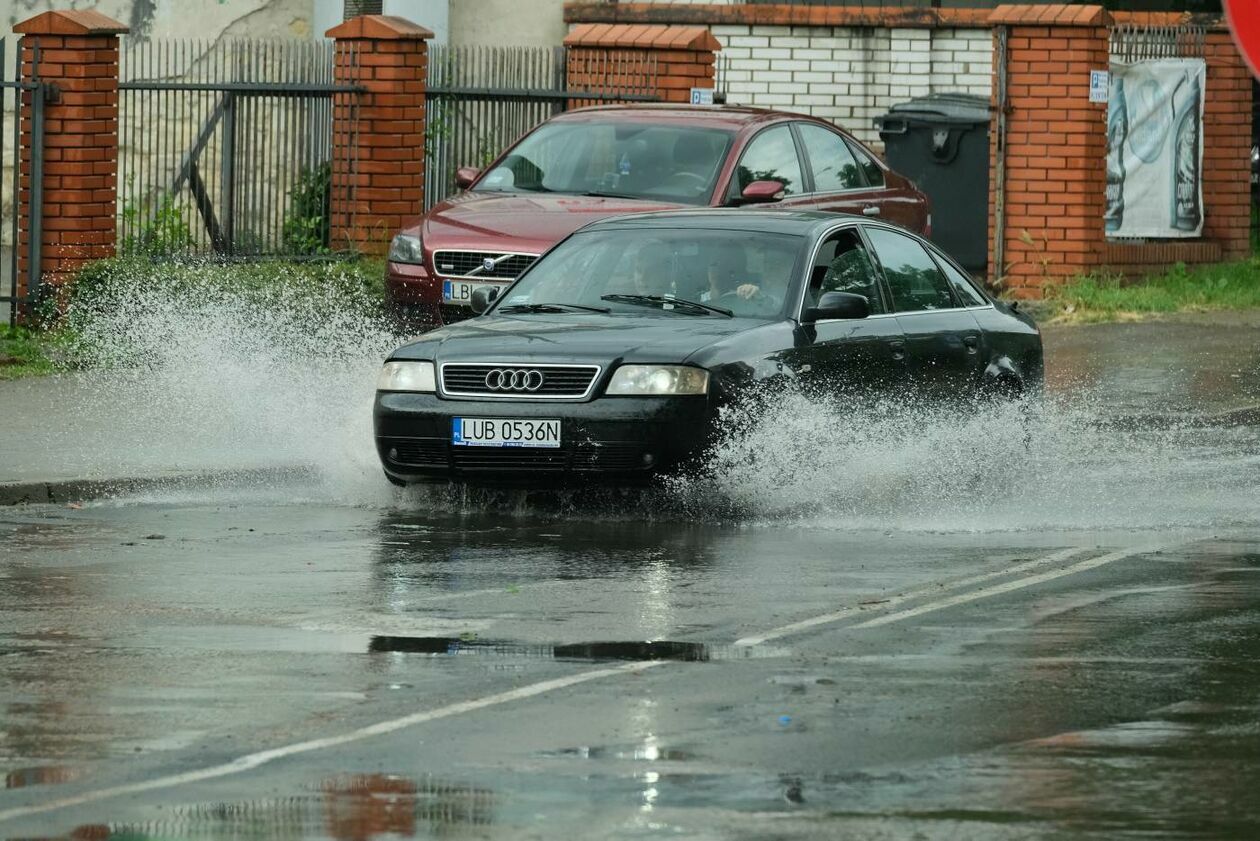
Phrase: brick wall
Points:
(684, 58)
(378, 138)
(78, 53)
(1056, 146)
(1227, 147)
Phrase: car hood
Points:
(574, 337)
(528, 223)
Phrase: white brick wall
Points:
(850, 76)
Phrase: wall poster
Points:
(1155, 149)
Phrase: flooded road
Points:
(995, 625)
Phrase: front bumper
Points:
(414, 295)
(617, 438)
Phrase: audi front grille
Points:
(472, 264)
(518, 381)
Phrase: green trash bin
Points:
(941, 142)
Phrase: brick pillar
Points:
(76, 54)
(1056, 145)
(378, 136)
(601, 55)
(1227, 147)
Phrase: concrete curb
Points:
(78, 490)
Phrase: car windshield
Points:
(676, 272)
(665, 162)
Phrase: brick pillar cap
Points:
(642, 36)
(82, 22)
(1054, 14)
(380, 28)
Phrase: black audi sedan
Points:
(611, 356)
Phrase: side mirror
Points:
(483, 296)
(465, 176)
(761, 192)
(837, 305)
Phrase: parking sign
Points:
(702, 96)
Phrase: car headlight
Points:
(658, 379)
(406, 249)
(407, 376)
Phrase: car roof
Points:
(798, 222)
(716, 116)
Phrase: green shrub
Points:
(154, 226)
(305, 229)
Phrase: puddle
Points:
(690, 652)
(642, 752)
(353, 806)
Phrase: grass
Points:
(1221, 286)
(25, 353)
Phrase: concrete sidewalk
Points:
(68, 437)
(62, 438)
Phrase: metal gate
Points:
(14, 265)
(224, 147)
(480, 98)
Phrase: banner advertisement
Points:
(1155, 149)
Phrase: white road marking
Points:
(1004, 587)
(253, 760)
(846, 612)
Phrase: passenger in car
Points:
(650, 275)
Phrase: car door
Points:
(772, 155)
(898, 202)
(853, 355)
(942, 338)
(839, 184)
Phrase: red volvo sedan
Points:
(605, 161)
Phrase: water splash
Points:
(206, 375)
(1050, 463)
(196, 371)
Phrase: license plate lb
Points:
(505, 432)
(459, 292)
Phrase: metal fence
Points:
(1131, 42)
(22, 153)
(224, 147)
(481, 98)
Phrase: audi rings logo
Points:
(514, 379)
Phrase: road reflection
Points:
(350, 807)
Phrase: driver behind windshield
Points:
(729, 277)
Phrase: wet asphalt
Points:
(270, 660)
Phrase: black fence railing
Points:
(20, 266)
(225, 147)
(481, 98)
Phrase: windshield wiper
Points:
(653, 300)
(551, 308)
(599, 194)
